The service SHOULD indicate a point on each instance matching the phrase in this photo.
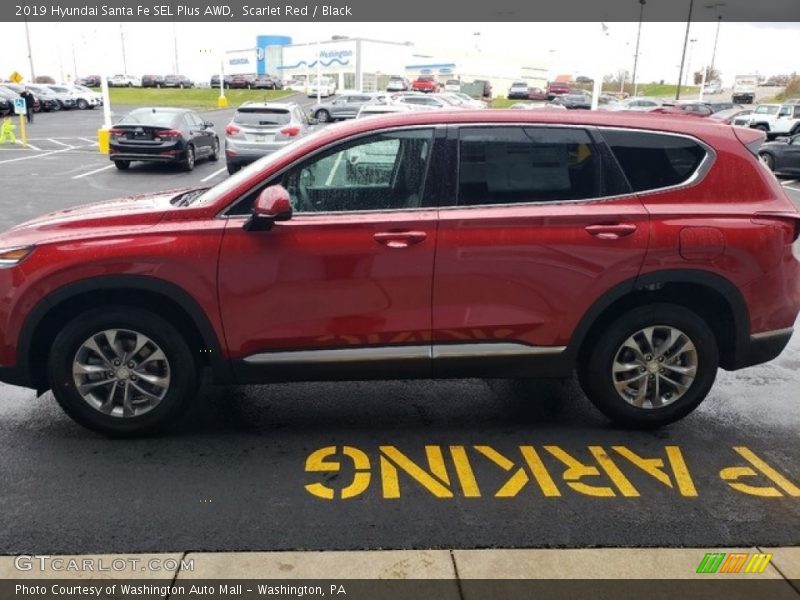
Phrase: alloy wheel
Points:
(121, 373)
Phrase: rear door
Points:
(540, 226)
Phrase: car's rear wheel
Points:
(650, 366)
(233, 168)
(768, 160)
(323, 116)
(122, 165)
(214, 156)
(188, 159)
(122, 371)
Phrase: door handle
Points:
(400, 239)
(611, 231)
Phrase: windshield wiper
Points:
(186, 198)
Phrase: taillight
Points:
(290, 130)
(169, 134)
(232, 129)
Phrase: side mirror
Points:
(273, 204)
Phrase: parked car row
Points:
(251, 81)
(145, 81)
(50, 97)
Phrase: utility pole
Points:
(683, 54)
(638, 38)
(716, 6)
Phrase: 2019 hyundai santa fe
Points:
(643, 252)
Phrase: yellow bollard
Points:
(103, 137)
(222, 102)
(23, 134)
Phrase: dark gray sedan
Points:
(782, 156)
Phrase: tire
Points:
(214, 156)
(160, 389)
(233, 168)
(82, 104)
(187, 164)
(122, 165)
(323, 116)
(768, 160)
(761, 127)
(610, 346)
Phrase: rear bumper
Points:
(143, 156)
(762, 347)
(238, 155)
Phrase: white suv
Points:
(776, 119)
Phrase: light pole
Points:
(30, 55)
(122, 41)
(638, 38)
(683, 54)
(477, 36)
(689, 61)
(716, 6)
(175, 41)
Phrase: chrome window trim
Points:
(695, 178)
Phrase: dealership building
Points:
(366, 64)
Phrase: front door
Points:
(343, 288)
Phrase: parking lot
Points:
(451, 464)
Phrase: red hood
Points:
(114, 216)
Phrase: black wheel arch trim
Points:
(25, 374)
(717, 283)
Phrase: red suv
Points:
(644, 252)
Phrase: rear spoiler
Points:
(750, 138)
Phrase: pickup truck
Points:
(425, 83)
(557, 88)
(744, 89)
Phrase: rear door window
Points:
(501, 165)
(653, 160)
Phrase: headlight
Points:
(11, 257)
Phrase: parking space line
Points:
(214, 174)
(111, 166)
(10, 160)
(32, 147)
(60, 143)
(92, 142)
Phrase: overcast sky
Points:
(576, 48)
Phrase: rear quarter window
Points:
(652, 161)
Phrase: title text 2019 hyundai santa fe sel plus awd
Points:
(643, 252)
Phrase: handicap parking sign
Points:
(19, 106)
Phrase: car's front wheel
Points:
(82, 104)
(768, 160)
(122, 165)
(651, 366)
(122, 371)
